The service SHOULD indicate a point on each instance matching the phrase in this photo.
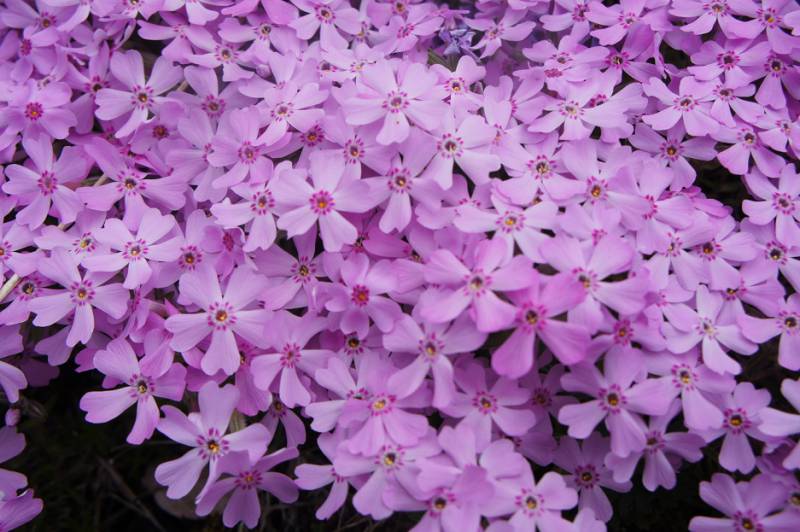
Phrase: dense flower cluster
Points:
(458, 249)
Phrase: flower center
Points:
(322, 202)
(531, 503)
(34, 111)
(360, 295)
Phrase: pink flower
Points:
(588, 475)
(43, 186)
(322, 202)
(483, 406)
(539, 504)
(313, 476)
(609, 256)
(32, 109)
(224, 317)
(207, 433)
(691, 105)
(119, 362)
(244, 480)
(12, 379)
(395, 97)
(512, 27)
(135, 252)
(778, 423)
(79, 296)
(779, 204)
(288, 335)
(474, 287)
(360, 298)
(434, 344)
(329, 16)
(658, 470)
(256, 210)
(140, 97)
(705, 325)
(537, 307)
(741, 414)
(238, 145)
(746, 505)
(617, 401)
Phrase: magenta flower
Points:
(466, 144)
(80, 295)
(379, 416)
(708, 327)
(224, 317)
(289, 106)
(140, 97)
(697, 385)
(394, 469)
(768, 17)
(329, 17)
(673, 150)
(746, 144)
(44, 185)
(288, 335)
(691, 105)
(359, 298)
(474, 287)
(12, 379)
(238, 146)
(611, 255)
(256, 211)
(537, 306)
(324, 201)
(129, 184)
(207, 433)
(135, 252)
(384, 95)
(658, 470)
(295, 279)
(746, 505)
(539, 504)
(458, 486)
(483, 407)
(617, 401)
(17, 510)
(245, 480)
(35, 110)
(578, 115)
(512, 27)
(784, 323)
(778, 423)
(741, 413)
(779, 204)
(587, 473)
(402, 182)
(313, 476)
(119, 362)
(434, 345)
